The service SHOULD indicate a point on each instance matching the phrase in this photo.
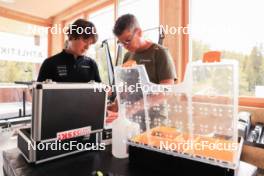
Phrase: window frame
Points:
(184, 41)
(243, 100)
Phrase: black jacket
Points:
(63, 67)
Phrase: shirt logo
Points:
(85, 66)
(145, 60)
(62, 70)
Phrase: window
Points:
(23, 47)
(103, 20)
(20, 57)
(233, 27)
(149, 22)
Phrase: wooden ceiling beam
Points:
(78, 8)
(23, 17)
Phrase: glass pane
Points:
(234, 28)
(138, 8)
(103, 20)
(23, 47)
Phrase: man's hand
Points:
(129, 63)
(113, 106)
(111, 116)
(167, 81)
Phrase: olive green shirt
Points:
(157, 60)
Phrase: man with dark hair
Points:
(156, 58)
(71, 65)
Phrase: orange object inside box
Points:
(212, 148)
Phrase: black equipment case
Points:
(66, 119)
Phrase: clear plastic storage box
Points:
(196, 119)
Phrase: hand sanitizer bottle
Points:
(122, 128)
(119, 146)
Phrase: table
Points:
(83, 164)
